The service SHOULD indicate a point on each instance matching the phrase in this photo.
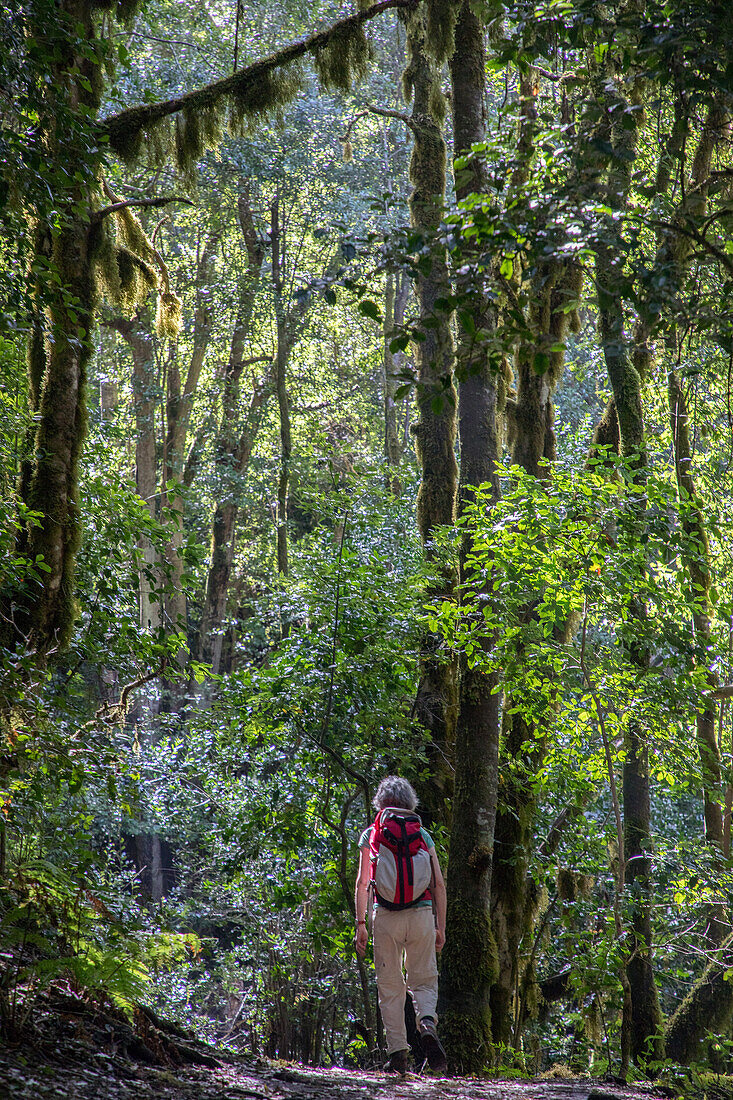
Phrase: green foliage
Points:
(253, 784)
(58, 926)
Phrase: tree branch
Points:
(125, 125)
(114, 712)
(694, 235)
(124, 204)
(385, 112)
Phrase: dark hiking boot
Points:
(432, 1045)
(398, 1062)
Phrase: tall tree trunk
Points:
(180, 397)
(469, 958)
(700, 571)
(60, 343)
(281, 387)
(140, 341)
(435, 433)
(144, 846)
(708, 1007)
(232, 448)
(232, 457)
(707, 1010)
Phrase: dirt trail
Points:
(76, 1048)
(86, 1074)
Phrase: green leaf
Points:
(370, 309)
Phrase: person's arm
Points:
(439, 895)
(361, 900)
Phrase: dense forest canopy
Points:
(366, 382)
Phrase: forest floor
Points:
(100, 1076)
(76, 1051)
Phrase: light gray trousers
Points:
(404, 935)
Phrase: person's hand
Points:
(361, 939)
(439, 939)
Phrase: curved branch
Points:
(385, 112)
(125, 204)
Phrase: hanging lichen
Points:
(169, 311)
(440, 24)
(264, 99)
(137, 279)
(125, 267)
(127, 141)
(168, 315)
(344, 59)
(341, 55)
(187, 140)
(160, 142)
(195, 132)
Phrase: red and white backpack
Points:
(401, 868)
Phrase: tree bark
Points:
(60, 345)
(435, 433)
(700, 570)
(469, 957)
(673, 259)
(706, 1010)
(179, 405)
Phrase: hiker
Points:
(399, 865)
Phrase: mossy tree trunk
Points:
(708, 1007)
(435, 431)
(60, 343)
(706, 1010)
(469, 957)
(700, 572)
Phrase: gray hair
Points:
(394, 791)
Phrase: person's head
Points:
(397, 792)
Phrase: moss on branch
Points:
(340, 55)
